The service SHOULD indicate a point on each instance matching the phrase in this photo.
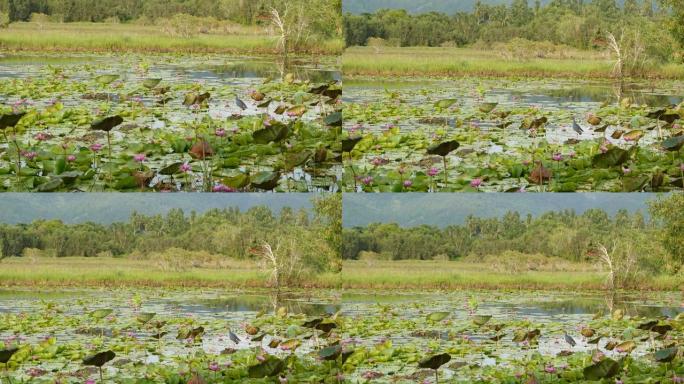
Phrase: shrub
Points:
(4, 20)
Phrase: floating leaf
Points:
(605, 368)
(331, 352)
(666, 355)
(270, 367)
(445, 103)
(614, 156)
(437, 316)
(487, 107)
(106, 79)
(481, 320)
(266, 180)
(151, 83)
(101, 313)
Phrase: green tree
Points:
(668, 212)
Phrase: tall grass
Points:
(423, 61)
(122, 272)
(99, 37)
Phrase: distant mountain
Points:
(443, 209)
(422, 6)
(113, 207)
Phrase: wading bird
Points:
(576, 127)
(570, 340)
(240, 103)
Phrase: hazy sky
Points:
(112, 207)
(442, 209)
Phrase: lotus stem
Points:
(446, 182)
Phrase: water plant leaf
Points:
(349, 143)
(487, 107)
(445, 103)
(151, 83)
(437, 316)
(145, 317)
(330, 352)
(270, 367)
(9, 120)
(201, 150)
(605, 368)
(99, 359)
(6, 354)
(612, 157)
(673, 144)
(106, 124)
(435, 361)
(106, 79)
(665, 355)
(273, 133)
(481, 320)
(101, 313)
(265, 180)
(50, 185)
(626, 346)
(334, 119)
(443, 148)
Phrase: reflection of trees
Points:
(268, 303)
(601, 94)
(605, 305)
(278, 69)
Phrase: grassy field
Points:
(117, 272)
(101, 37)
(424, 61)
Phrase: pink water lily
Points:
(139, 157)
(185, 167)
(475, 183)
(96, 147)
(432, 172)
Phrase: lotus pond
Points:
(179, 336)
(169, 123)
(512, 134)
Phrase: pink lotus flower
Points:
(96, 147)
(367, 180)
(408, 183)
(222, 188)
(626, 170)
(557, 157)
(550, 369)
(213, 366)
(71, 158)
(139, 157)
(29, 155)
(41, 136)
(475, 183)
(220, 132)
(185, 167)
(432, 172)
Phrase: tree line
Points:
(581, 24)
(562, 234)
(325, 14)
(228, 232)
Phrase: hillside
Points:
(107, 208)
(445, 209)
